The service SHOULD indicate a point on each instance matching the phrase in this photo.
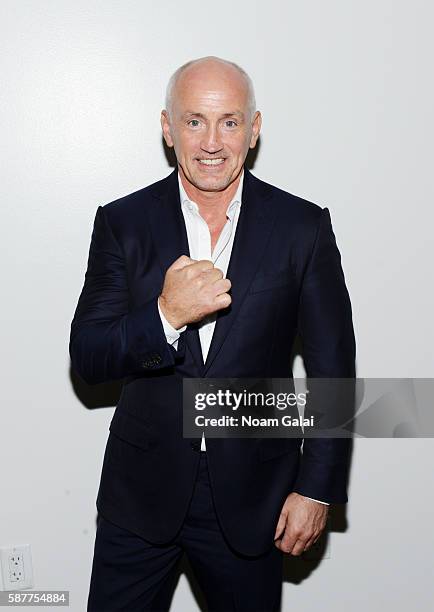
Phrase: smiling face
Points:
(210, 124)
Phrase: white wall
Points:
(346, 93)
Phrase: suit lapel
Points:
(167, 222)
(254, 227)
(253, 230)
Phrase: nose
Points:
(211, 142)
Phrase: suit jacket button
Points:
(152, 360)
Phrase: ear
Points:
(165, 126)
(256, 128)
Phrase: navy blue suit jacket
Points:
(287, 278)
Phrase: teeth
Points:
(211, 162)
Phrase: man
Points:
(209, 272)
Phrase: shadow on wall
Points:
(297, 569)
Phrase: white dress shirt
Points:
(199, 242)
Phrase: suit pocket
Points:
(275, 447)
(273, 280)
(129, 428)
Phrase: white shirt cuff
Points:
(318, 500)
(172, 334)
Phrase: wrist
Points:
(174, 322)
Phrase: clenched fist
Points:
(192, 290)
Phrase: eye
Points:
(193, 122)
(232, 122)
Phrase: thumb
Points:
(281, 523)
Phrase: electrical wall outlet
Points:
(16, 565)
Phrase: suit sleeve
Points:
(108, 340)
(328, 345)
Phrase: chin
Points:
(213, 185)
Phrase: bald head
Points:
(211, 121)
(213, 71)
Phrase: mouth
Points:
(211, 163)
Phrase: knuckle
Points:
(206, 264)
(188, 272)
